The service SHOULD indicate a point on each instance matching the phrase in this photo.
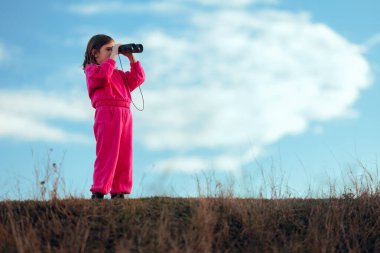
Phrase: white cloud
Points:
(236, 3)
(186, 164)
(245, 80)
(120, 7)
(194, 164)
(24, 127)
(169, 6)
(373, 41)
(25, 114)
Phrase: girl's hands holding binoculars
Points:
(130, 56)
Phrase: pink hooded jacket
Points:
(109, 86)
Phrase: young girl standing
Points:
(110, 92)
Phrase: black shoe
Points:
(117, 196)
(97, 195)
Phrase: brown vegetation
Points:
(219, 224)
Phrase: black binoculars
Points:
(131, 48)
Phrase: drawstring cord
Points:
(142, 96)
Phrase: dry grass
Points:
(162, 224)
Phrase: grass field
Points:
(218, 224)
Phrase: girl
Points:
(110, 92)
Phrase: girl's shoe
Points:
(97, 195)
(117, 196)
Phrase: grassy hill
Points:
(219, 224)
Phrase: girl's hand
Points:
(115, 51)
(131, 57)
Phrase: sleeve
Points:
(136, 76)
(99, 75)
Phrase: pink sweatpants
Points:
(113, 164)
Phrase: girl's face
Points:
(104, 52)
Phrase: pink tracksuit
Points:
(110, 93)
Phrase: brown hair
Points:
(94, 44)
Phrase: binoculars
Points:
(131, 48)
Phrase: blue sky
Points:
(239, 92)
